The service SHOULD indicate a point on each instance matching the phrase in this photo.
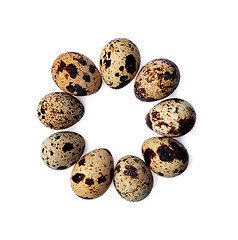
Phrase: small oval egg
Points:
(133, 179)
(156, 80)
(59, 110)
(76, 74)
(119, 62)
(61, 150)
(165, 156)
(92, 174)
(171, 118)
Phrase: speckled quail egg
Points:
(156, 80)
(171, 118)
(92, 174)
(59, 110)
(61, 150)
(133, 179)
(119, 62)
(165, 156)
(76, 74)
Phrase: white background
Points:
(201, 38)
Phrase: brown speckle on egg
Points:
(165, 156)
(172, 118)
(76, 74)
(156, 80)
(119, 62)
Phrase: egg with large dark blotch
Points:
(76, 74)
(165, 156)
(119, 62)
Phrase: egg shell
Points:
(171, 118)
(156, 80)
(59, 110)
(133, 179)
(92, 174)
(119, 62)
(76, 74)
(61, 150)
(165, 156)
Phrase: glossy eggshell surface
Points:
(156, 80)
(76, 74)
(165, 156)
(133, 179)
(60, 110)
(171, 118)
(92, 174)
(119, 62)
(61, 150)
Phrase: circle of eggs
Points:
(165, 156)
(59, 110)
(119, 62)
(133, 179)
(171, 118)
(76, 74)
(61, 150)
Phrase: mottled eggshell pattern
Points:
(92, 174)
(76, 74)
(171, 118)
(133, 179)
(61, 150)
(119, 62)
(59, 110)
(165, 156)
(156, 80)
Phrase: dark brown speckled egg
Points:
(59, 110)
(165, 156)
(171, 118)
(76, 74)
(156, 80)
(119, 62)
(62, 150)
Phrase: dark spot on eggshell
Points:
(57, 137)
(67, 147)
(62, 167)
(76, 88)
(107, 63)
(83, 62)
(76, 116)
(78, 177)
(86, 78)
(92, 68)
(72, 70)
(123, 78)
(81, 161)
(117, 168)
(160, 174)
(61, 67)
(179, 151)
(111, 173)
(116, 74)
(130, 171)
(148, 121)
(85, 197)
(165, 153)
(121, 85)
(121, 68)
(102, 179)
(89, 181)
(130, 64)
(148, 155)
(51, 153)
(185, 125)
